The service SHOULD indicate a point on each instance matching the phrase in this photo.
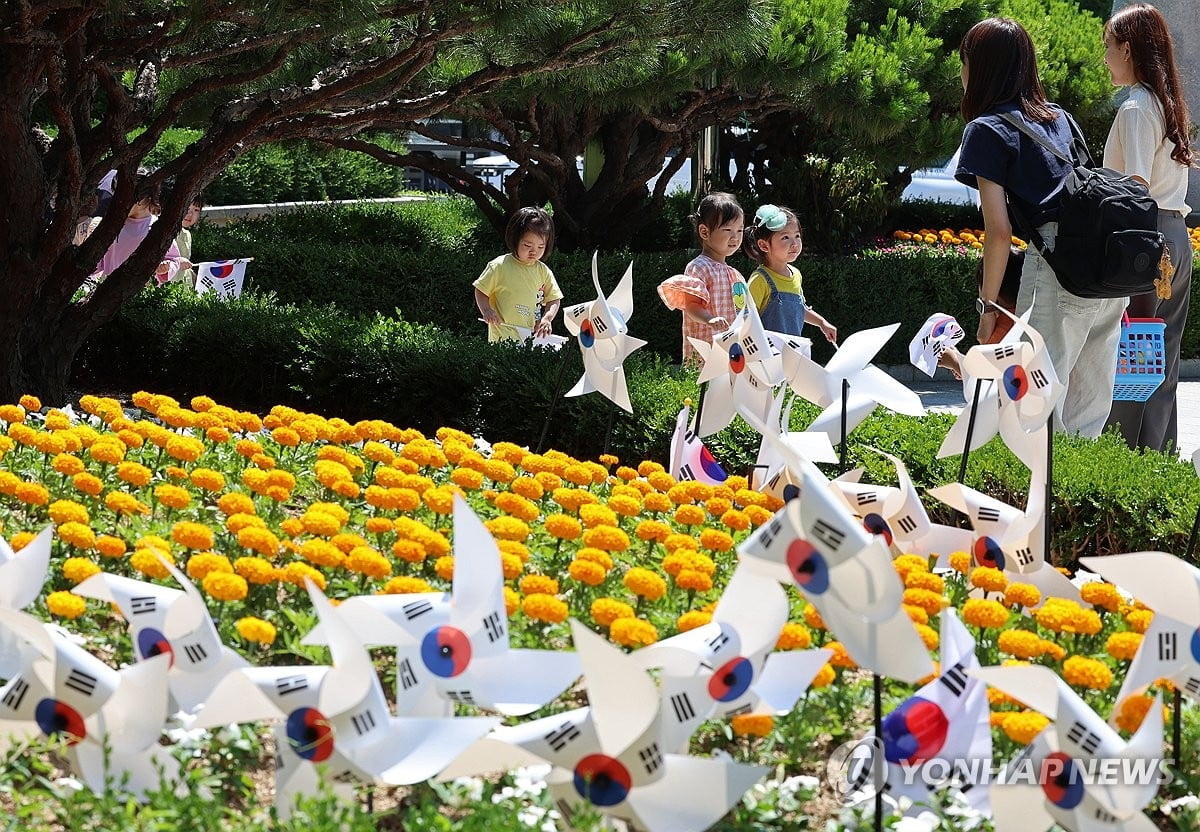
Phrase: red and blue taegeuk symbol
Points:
(790, 492)
(1196, 645)
(1016, 382)
(446, 651)
(1062, 782)
(310, 734)
(711, 467)
(152, 643)
(587, 336)
(808, 567)
(602, 780)
(939, 328)
(221, 268)
(988, 553)
(731, 679)
(737, 357)
(57, 718)
(914, 732)
(875, 524)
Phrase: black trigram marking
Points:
(494, 626)
(598, 324)
(463, 696)
(989, 514)
(1039, 379)
(143, 604)
(770, 531)
(16, 693)
(565, 810)
(831, 536)
(1104, 817)
(862, 776)
(1024, 556)
(686, 473)
(406, 675)
(363, 721)
(1004, 351)
(579, 311)
(907, 524)
(1085, 739)
(81, 682)
(1167, 646)
(1192, 686)
(415, 609)
(195, 653)
(290, 684)
(562, 736)
(774, 481)
(651, 758)
(717, 642)
(682, 704)
(955, 679)
(866, 498)
(749, 345)
(738, 711)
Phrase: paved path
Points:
(948, 396)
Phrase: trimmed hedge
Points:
(257, 352)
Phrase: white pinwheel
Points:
(454, 648)
(814, 446)
(21, 577)
(602, 328)
(610, 755)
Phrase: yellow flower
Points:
(235, 503)
(444, 567)
(539, 585)
(256, 630)
(78, 535)
(297, 572)
(499, 470)
(108, 452)
(405, 585)
(812, 617)
(652, 530)
(563, 526)
(66, 464)
(32, 493)
(572, 499)
(192, 535)
(794, 637)
(1020, 643)
(925, 580)
(199, 566)
(1100, 594)
(366, 561)
(65, 604)
(258, 540)
(752, 725)
(527, 487)
(507, 528)
(541, 607)
(645, 583)
(688, 515)
(109, 546)
(517, 506)
(184, 448)
(596, 556)
(172, 496)
(1023, 726)
(692, 619)
(1139, 620)
(633, 632)
(77, 570)
(225, 586)
(757, 514)
(625, 505)
(322, 553)
(736, 520)
(608, 538)
(1132, 711)
(1123, 646)
(693, 580)
(928, 635)
(607, 610)
(824, 677)
(988, 579)
(30, 403)
(716, 540)
(68, 511)
(255, 570)
(467, 478)
(840, 657)
(931, 602)
(134, 474)
(1081, 671)
(1022, 595)
(147, 562)
(984, 613)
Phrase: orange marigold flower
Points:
(297, 571)
(185, 448)
(824, 677)
(596, 556)
(256, 630)
(563, 526)
(1123, 646)
(1139, 620)
(840, 657)
(68, 511)
(931, 602)
(918, 615)
(259, 540)
(812, 617)
(735, 519)
(716, 540)
(405, 585)
(594, 514)
(444, 567)
(538, 585)
(545, 608)
(78, 535)
(517, 506)
(147, 562)
(172, 496)
(66, 464)
(65, 604)
(752, 725)
(286, 437)
(1022, 727)
(77, 570)
(985, 613)
(527, 487)
(988, 579)
(255, 570)
(322, 553)
(1022, 595)
(109, 546)
(1020, 643)
(928, 635)
(1100, 594)
(32, 493)
(235, 503)
(507, 528)
(366, 561)
(757, 514)
(236, 522)
(1081, 671)
(692, 619)
(645, 583)
(652, 530)
(1132, 711)
(225, 586)
(192, 535)
(200, 565)
(794, 637)
(587, 572)
(410, 551)
(607, 610)
(633, 632)
(608, 538)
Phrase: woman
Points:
(1149, 141)
(1016, 174)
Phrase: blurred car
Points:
(938, 183)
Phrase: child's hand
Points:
(830, 332)
(185, 264)
(543, 328)
(490, 316)
(719, 323)
(951, 359)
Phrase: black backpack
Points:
(1108, 243)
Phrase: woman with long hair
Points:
(1020, 179)
(1149, 141)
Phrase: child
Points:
(137, 226)
(517, 289)
(774, 241)
(183, 241)
(705, 290)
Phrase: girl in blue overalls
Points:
(773, 241)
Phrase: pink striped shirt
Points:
(712, 284)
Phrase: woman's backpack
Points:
(1108, 244)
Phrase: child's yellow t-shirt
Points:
(518, 293)
(760, 290)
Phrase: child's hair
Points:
(144, 189)
(715, 210)
(760, 228)
(525, 221)
(197, 200)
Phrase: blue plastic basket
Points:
(1141, 359)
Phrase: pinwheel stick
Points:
(966, 454)
(699, 408)
(562, 369)
(1049, 524)
(877, 685)
(1177, 729)
(842, 449)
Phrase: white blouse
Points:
(1137, 144)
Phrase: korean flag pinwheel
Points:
(690, 459)
(815, 543)
(1170, 647)
(897, 513)
(869, 386)
(1077, 772)
(171, 622)
(611, 755)
(939, 732)
(813, 446)
(602, 328)
(337, 715)
(733, 654)
(1023, 373)
(110, 720)
(939, 332)
(454, 648)
(21, 577)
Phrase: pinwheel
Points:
(947, 721)
(602, 327)
(171, 622)
(21, 577)
(1078, 772)
(815, 543)
(811, 445)
(610, 755)
(690, 459)
(454, 648)
(1023, 371)
(732, 654)
(940, 332)
(337, 715)
(869, 386)
(111, 720)
(898, 514)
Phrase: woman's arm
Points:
(996, 245)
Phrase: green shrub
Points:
(932, 213)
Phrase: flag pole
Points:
(962, 467)
(699, 408)
(878, 765)
(562, 369)
(842, 452)
(1049, 486)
